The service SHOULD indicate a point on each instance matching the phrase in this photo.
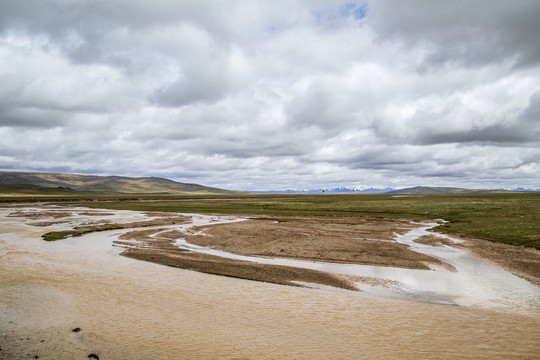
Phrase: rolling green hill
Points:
(26, 189)
(71, 183)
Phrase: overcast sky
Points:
(277, 94)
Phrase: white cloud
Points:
(271, 95)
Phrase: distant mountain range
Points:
(63, 184)
(341, 190)
(13, 182)
(441, 190)
(413, 190)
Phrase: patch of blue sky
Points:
(354, 9)
(330, 16)
(358, 11)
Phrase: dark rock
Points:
(77, 329)
(93, 356)
(35, 357)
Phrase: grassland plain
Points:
(511, 218)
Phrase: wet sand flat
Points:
(354, 240)
(335, 240)
(345, 239)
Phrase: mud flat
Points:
(135, 309)
(248, 246)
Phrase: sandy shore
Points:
(521, 261)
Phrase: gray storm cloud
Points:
(274, 94)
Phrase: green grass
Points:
(512, 218)
(34, 190)
(61, 235)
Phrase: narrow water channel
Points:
(474, 281)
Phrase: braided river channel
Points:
(78, 297)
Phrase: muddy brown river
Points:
(129, 309)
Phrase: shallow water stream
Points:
(138, 310)
(474, 281)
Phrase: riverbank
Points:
(520, 261)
